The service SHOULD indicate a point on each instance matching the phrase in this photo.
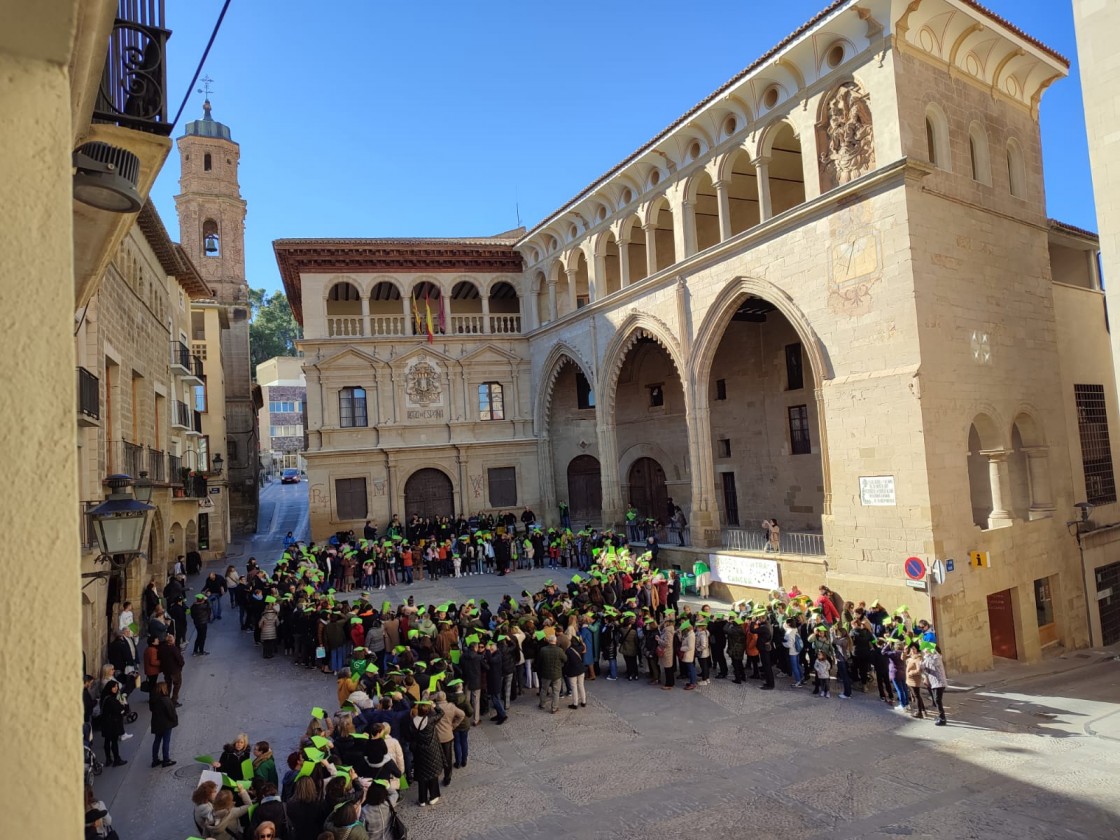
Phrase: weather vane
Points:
(206, 82)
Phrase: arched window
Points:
(491, 406)
(206, 162)
(211, 242)
(937, 137)
(1016, 175)
(978, 154)
(352, 408)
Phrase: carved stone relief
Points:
(845, 137)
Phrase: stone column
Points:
(1038, 476)
(547, 474)
(624, 263)
(406, 303)
(597, 277)
(651, 248)
(445, 308)
(1000, 517)
(552, 300)
(762, 173)
(571, 272)
(684, 232)
(724, 202)
(613, 507)
(365, 328)
(486, 315)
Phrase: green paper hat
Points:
(412, 634)
(200, 596)
(540, 634)
(318, 713)
(928, 647)
(901, 609)
(453, 682)
(425, 702)
(359, 648)
(685, 625)
(355, 620)
(548, 582)
(270, 599)
(472, 639)
(399, 649)
(313, 754)
(330, 591)
(319, 741)
(576, 578)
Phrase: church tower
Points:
(212, 231)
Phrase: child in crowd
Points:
(821, 667)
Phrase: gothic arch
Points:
(561, 355)
(637, 326)
(723, 308)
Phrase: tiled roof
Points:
(1013, 28)
(1073, 230)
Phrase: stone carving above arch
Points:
(845, 137)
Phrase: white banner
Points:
(745, 571)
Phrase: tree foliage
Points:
(273, 330)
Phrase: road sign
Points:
(979, 559)
(915, 568)
(949, 564)
(937, 572)
(917, 584)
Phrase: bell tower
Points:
(211, 209)
(212, 232)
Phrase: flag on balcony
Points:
(428, 318)
(416, 317)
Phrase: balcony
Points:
(398, 326)
(157, 464)
(194, 372)
(181, 416)
(174, 469)
(180, 358)
(387, 326)
(131, 459)
(195, 429)
(346, 327)
(505, 324)
(89, 398)
(133, 91)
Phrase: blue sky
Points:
(369, 118)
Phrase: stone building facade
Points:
(828, 294)
(212, 229)
(283, 413)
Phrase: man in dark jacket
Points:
(736, 648)
(200, 615)
(717, 630)
(171, 664)
(550, 666)
(149, 600)
(178, 612)
(471, 666)
(493, 660)
(761, 628)
(122, 655)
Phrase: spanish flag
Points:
(428, 318)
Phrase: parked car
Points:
(290, 476)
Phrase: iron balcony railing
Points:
(132, 459)
(89, 394)
(133, 92)
(195, 367)
(174, 469)
(180, 356)
(181, 415)
(156, 465)
(196, 421)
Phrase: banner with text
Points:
(745, 571)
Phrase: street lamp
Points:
(119, 522)
(216, 464)
(143, 488)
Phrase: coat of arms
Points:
(422, 383)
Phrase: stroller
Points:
(93, 765)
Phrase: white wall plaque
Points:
(876, 490)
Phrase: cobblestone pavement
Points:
(1030, 758)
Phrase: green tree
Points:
(273, 330)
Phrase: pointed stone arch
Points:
(561, 355)
(638, 325)
(707, 342)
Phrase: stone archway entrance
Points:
(647, 489)
(429, 492)
(585, 490)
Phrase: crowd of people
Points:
(413, 680)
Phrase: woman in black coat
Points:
(164, 719)
(112, 722)
(427, 757)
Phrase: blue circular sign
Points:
(915, 568)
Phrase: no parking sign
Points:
(915, 568)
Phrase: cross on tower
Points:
(206, 82)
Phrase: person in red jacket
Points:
(828, 609)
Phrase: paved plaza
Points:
(1029, 752)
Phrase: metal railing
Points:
(666, 534)
(180, 355)
(132, 459)
(196, 422)
(181, 415)
(89, 394)
(133, 91)
(792, 542)
(156, 465)
(195, 367)
(174, 469)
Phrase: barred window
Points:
(350, 498)
(352, 407)
(799, 430)
(1096, 454)
(490, 404)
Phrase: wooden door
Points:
(1001, 623)
(1108, 600)
(585, 491)
(429, 493)
(647, 489)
